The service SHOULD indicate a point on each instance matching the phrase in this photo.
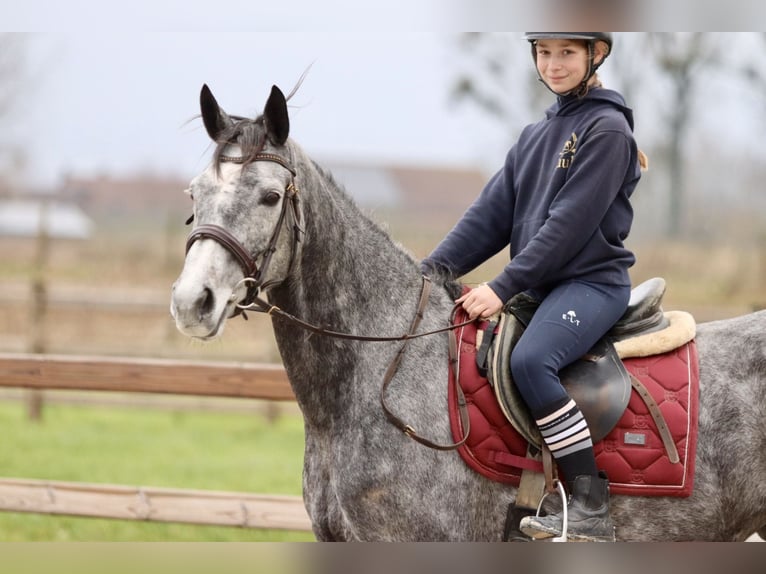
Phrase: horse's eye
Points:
(271, 198)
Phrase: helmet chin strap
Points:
(580, 89)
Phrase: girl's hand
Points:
(481, 302)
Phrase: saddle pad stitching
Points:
(684, 460)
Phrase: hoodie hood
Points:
(571, 105)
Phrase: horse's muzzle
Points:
(199, 311)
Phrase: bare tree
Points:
(675, 61)
(680, 57)
(753, 70)
(623, 64)
(499, 79)
(12, 66)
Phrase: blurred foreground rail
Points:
(242, 380)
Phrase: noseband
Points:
(253, 275)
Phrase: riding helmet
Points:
(590, 38)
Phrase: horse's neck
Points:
(350, 277)
(348, 267)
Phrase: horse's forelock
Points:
(248, 134)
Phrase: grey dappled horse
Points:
(331, 266)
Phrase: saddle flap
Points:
(600, 386)
(598, 383)
(510, 401)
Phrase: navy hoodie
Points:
(562, 202)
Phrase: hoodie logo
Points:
(566, 155)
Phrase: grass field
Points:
(180, 449)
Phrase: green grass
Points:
(177, 449)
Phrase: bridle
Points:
(254, 280)
(253, 274)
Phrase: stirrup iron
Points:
(565, 511)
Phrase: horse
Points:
(270, 220)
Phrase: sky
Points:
(112, 87)
(124, 101)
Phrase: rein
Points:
(260, 305)
(253, 279)
(393, 366)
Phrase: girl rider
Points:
(562, 203)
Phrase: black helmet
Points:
(590, 37)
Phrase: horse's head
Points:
(246, 217)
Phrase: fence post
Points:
(39, 306)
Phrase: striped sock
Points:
(567, 435)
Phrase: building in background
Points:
(427, 193)
(31, 216)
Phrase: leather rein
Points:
(254, 280)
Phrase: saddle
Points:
(599, 383)
(601, 386)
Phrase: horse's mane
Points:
(439, 276)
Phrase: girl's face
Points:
(563, 63)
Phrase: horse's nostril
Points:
(206, 302)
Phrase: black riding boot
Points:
(588, 514)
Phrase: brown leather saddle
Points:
(598, 382)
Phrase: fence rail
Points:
(88, 373)
(154, 504)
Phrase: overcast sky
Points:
(113, 91)
(112, 85)
(121, 101)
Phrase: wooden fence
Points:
(243, 380)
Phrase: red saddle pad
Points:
(632, 454)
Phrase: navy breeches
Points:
(570, 320)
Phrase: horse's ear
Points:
(275, 115)
(214, 118)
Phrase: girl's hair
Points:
(643, 160)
